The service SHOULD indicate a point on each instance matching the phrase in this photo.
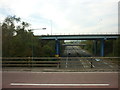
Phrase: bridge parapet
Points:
(101, 37)
(87, 33)
(79, 37)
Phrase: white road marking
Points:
(93, 65)
(66, 62)
(89, 62)
(105, 63)
(83, 64)
(59, 72)
(111, 66)
(30, 84)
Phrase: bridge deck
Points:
(79, 37)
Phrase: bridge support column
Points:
(102, 47)
(95, 47)
(57, 48)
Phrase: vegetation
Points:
(18, 41)
(112, 47)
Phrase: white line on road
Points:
(111, 66)
(92, 64)
(60, 72)
(30, 84)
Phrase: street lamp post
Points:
(51, 26)
(39, 29)
(33, 39)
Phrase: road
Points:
(76, 51)
(60, 79)
(27, 79)
(73, 51)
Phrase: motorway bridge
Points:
(95, 37)
(63, 72)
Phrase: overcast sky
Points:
(64, 16)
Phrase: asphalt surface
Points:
(76, 51)
(59, 80)
(73, 51)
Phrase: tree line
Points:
(18, 41)
(111, 47)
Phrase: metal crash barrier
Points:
(64, 63)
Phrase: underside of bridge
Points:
(94, 37)
(57, 48)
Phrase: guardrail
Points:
(65, 63)
(86, 33)
(29, 61)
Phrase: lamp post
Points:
(39, 29)
(33, 39)
(51, 26)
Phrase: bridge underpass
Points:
(83, 63)
(95, 37)
(72, 50)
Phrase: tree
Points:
(23, 44)
(8, 29)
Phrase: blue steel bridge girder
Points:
(57, 47)
(102, 47)
(78, 37)
(96, 37)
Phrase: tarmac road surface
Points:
(76, 51)
(59, 79)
